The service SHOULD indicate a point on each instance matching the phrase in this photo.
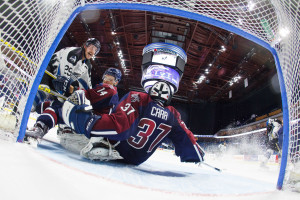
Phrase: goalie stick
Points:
(204, 163)
(208, 165)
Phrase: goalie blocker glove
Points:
(78, 119)
(76, 116)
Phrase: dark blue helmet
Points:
(95, 42)
(114, 72)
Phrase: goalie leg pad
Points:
(94, 141)
(99, 149)
(103, 154)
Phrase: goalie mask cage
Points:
(30, 31)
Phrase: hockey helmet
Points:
(161, 92)
(113, 72)
(95, 42)
(162, 62)
(269, 121)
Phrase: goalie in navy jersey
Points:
(141, 121)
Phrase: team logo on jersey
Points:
(72, 59)
(135, 98)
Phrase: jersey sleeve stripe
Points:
(104, 133)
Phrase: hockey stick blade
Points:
(45, 88)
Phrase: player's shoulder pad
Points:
(89, 64)
(74, 54)
(142, 95)
(278, 121)
(174, 111)
(137, 97)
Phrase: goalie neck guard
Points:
(162, 62)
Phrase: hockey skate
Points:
(99, 149)
(37, 133)
(63, 129)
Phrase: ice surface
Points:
(50, 172)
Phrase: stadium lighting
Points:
(201, 78)
(223, 48)
(283, 32)
(251, 5)
(240, 21)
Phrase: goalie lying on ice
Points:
(141, 121)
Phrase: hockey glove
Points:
(62, 84)
(78, 97)
(78, 119)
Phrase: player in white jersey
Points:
(72, 67)
(222, 148)
(275, 137)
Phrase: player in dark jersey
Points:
(141, 121)
(103, 97)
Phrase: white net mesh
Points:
(28, 29)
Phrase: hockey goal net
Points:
(31, 30)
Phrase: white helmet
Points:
(270, 121)
(161, 92)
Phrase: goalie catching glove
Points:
(76, 116)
